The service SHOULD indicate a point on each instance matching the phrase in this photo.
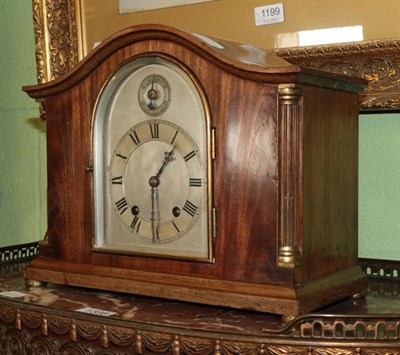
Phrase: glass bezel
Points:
(100, 164)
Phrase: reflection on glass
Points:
(321, 36)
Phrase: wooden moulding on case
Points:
(280, 299)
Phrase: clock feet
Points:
(34, 283)
(359, 295)
(287, 318)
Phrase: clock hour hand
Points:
(169, 156)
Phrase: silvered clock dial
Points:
(152, 162)
(164, 201)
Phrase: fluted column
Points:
(290, 166)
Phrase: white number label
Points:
(95, 311)
(12, 294)
(266, 15)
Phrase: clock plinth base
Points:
(279, 299)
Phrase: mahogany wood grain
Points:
(241, 84)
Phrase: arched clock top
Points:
(243, 60)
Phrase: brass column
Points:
(290, 166)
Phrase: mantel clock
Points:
(201, 170)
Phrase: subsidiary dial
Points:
(154, 95)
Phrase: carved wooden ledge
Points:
(378, 268)
(377, 61)
(19, 252)
(26, 330)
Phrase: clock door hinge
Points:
(214, 223)
(213, 144)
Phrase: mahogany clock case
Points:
(283, 175)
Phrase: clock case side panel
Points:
(317, 235)
(330, 182)
(69, 169)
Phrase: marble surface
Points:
(382, 298)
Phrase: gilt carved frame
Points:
(58, 36)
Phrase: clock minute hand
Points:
(152, 95)
(154, 182)
(168, 158)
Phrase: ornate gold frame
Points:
(58, 37)
(59, 46)
(377, 61)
